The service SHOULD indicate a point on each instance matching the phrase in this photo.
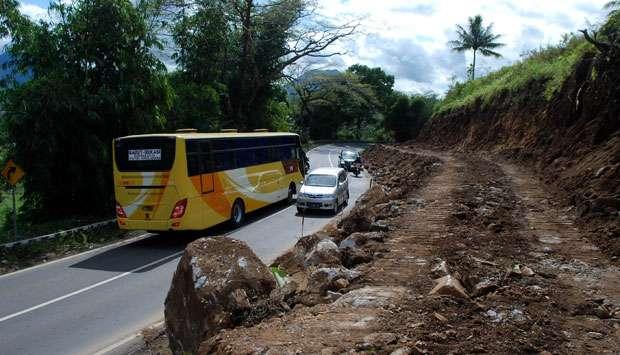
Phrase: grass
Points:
(29, 230)
(22, 256)
(551, 65)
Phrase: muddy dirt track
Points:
(523, 277)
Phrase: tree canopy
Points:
(93, 78)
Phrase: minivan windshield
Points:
(321, 180)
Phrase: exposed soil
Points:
(532, 282)
(571, 142)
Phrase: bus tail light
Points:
(120, 212)
(179, 209)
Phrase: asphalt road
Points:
(91, 301)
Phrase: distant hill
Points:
(308, 76)
(5, 72)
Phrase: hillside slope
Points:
(569, 136)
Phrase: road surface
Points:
(88, 302)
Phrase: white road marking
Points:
(128, 339)
(101, 283)
(329, 156)
(109, 246)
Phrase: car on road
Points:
(324, 189)
(347, 158)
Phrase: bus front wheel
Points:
(237, 213)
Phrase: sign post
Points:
(13, 174)
(14, 214)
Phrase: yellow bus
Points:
(192, 181)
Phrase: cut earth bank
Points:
(445, 253)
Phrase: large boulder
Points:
(216, 283)
(325, 252)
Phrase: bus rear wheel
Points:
(291, 193)
(237, 213)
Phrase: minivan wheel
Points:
(237, 214)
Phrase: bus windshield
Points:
(144, 153)
(321, 180)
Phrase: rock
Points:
(517, 315)
(519, 270)
(324, 279)
(341, 284)
(484, 287)
(371, 297)
(526, 271)
(496, 317)
(284, 294)
(440, 317)
(449, 286)
(416, 202)
(440, 269)
(324, 252)
(593, 308)
(596, 335)
(352, 251)
(361, 239)
(379, 226)
(333, 296)
(377, 341)
(601, 171)
(402, 351)
(216, 279)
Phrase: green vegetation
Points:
(22, 256)
(550, 66)
(358, 104)
(93, 76)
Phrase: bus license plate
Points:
(143, 154)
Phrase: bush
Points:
(551, 65)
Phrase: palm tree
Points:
(477, 38)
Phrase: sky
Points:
(409, 38)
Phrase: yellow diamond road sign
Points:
(12, 172)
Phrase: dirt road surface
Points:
(531, 282)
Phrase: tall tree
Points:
(323, 96)
(408, 114)
(477, 38)
(262, 38)
(93, 78)
(8, 16)
(381, 82)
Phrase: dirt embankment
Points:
(572, 142)
(470, 256)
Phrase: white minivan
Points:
(324, 189)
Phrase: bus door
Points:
(207, 176)
(208, 185)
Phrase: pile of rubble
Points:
(220, 284)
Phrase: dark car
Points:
(347, 158)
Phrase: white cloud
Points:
(33, 11)
(409, 38)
